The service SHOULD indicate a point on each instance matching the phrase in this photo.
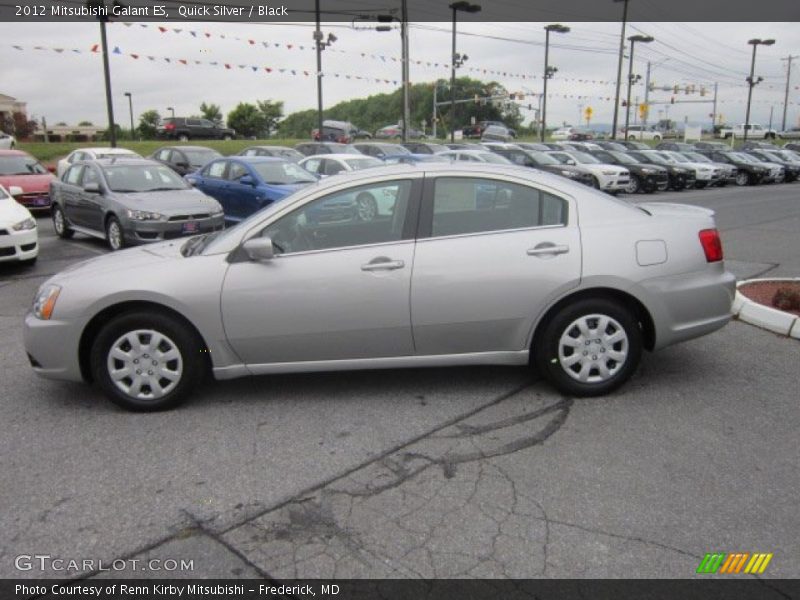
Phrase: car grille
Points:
(8, 251)
(196, 217)
(172, 235)
(3, 232)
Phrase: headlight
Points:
(24, 225)
(143, 215)
(217, 211)
(610, 173)
(681, 171)
(45, 301)
(646, 171)
(570, 174)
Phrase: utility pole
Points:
(619, 68)
(646, 95)
(318, 40)
(435, 87)
(788, 60)
(112, 130)
(714, 111)
(406, 84)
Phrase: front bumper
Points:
(51, 359)
(18, 245)
(615, 183)
(144, 232)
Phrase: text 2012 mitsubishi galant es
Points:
(467, 264)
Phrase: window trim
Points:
(425, 225)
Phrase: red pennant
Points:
(227, 66)
(163, 29)
(95, 47)
(251, 42)
(268, 70)
(136, 56)
(289, 46)
(182, 61)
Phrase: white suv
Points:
(609, 178)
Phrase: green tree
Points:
(247, 120)
(148, 122)
(85, 124)
(273, 112)
(211, 112)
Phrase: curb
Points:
(765, 317)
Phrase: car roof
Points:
(105, 162)
(339, 155)
(186, 148)
(105, 150)
(13, 153)
(268, 147)
(255, 159)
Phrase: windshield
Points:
(491, 157)
(200, 157)
(282, 173)
(363, 163)
(696, 157)
(3, 195)
(584, 159)
(143, 178)
(653, 157)
(20, 165)
(117, 155)
(542, 158)
(677, 157)
(743, 157)
(623, 157)
(437, 148)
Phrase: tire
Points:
(118, 366)
(601, 364)
(699, 185)
(769, 136)
(366, 207)
(657, 138)
(28, 262)
(635, 185)
(596, 183)
(114, 234)
(742, 178)
(60, 223)
(183, 138)
(227, 138)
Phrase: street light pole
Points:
(112, 131)
(130, 107)
(548, 72)
(457, 61)
(318, 44)
(751, 81)
(405, 59)
(788, 60)
(645, 39)
(619, 67)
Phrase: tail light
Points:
(169, 126)
(712, 244)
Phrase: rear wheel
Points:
(146, 361)
(183, 137)
(634, 186)
(114, 235)
(60, 223)
(227, 138)
(589, 348)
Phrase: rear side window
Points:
(215, 169)
(73, 175)
(237, 171)
(474, 205)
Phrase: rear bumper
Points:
(691, 305)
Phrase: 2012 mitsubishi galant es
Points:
(464, 265)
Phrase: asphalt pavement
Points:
(473, 472)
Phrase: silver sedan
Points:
(474, 264)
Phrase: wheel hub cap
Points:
(145, 364)
(593, 348)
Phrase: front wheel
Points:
(742, 178)
(146, 361)
(114, 235)
(366, 207)
(589, 348)
(227, 138)
(634, 185)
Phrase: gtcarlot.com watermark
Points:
(45, 562)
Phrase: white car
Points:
(331, 164)
(19, 236)
(7, 141)
(640, 132)
(609, 178)
(562, 133)
(705, 173)
(484, 156)
(92, 154)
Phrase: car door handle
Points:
(548, 248)
(383, 264)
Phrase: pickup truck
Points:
(756, 131)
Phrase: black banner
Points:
(397, 589)
(418, 10)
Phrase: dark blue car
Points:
(246, 184)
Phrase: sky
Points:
(68, 86)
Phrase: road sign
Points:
(588, 113)
(643, 111)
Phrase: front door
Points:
(338, 288)
(491, 254)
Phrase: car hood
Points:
(168, 202)
(604, 167)
(150, 255)
(28, 183)
(12, 212)
(281, 191)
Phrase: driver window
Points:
(312, 165)
(368, 214)
(237, 171)
(332, 167)
(90, 176)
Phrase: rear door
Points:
(212, 182)
(90, 205)
(491, 255)
(70, 198)
(242, 197)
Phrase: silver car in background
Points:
(475, 264)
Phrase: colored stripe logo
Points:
(735, 563)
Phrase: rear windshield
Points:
(200, 157)
(282, 173)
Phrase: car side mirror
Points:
(92, 187)
(15, 190)
(247, 180)
(259, 248)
